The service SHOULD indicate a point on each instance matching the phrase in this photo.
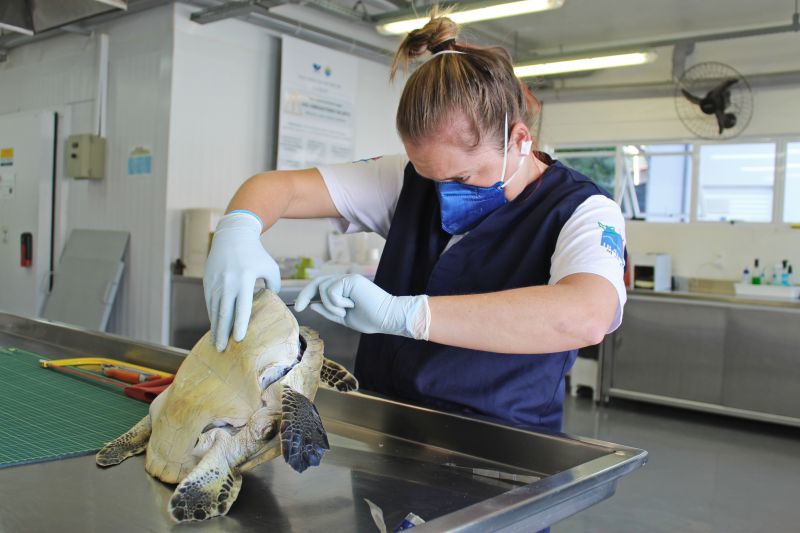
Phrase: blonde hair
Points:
(479, 84)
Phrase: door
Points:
(27, 146)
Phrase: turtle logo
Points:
(611, 241)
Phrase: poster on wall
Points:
(318, 88)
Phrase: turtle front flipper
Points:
(213, 485)
(335, 376)
(303, 439)
(131, 443)
(209, 489)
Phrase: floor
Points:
(705, 473)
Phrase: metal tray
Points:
(391, 453)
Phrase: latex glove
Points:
(356, 302)
(236, 260)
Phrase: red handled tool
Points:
(148, 390)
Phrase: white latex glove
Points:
(236, 260)
(356, 302)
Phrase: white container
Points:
(769, 292)
(198, 230)
(652, 271)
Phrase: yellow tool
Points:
(97, 361)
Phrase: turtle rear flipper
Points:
(131, 443)
(335, 376)
(303, 439)
(210, 489)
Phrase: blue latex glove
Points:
(356, 302)
(236, 260)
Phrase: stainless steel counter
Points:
(711, 297)
(725, 355)
(391, 453)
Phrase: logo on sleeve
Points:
(367, 160)
(612, 242)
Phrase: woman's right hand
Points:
(236, 260)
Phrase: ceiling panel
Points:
(592, 23)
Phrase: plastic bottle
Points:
(756, 279)
(788, 282)
(746, 276)
(775, 279)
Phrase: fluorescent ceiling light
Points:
(472, 12)
(13, 27)
(584, 63)
(121, 4)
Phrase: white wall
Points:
(203, 98)
(59, 74)
(695, 247)
(224, 123)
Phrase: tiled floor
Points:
(705, 473)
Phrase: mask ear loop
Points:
(524, 151)
(505, 153)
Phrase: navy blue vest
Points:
(509, 249)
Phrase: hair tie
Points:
(442, 46)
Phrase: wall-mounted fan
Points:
(714, 101)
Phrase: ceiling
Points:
(585, 24)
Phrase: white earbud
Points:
(525, 149)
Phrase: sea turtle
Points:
(227, 412)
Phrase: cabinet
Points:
(720, 355)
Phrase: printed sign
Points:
(318, 88)
(8, 182)
(140, 161)
(6, 157)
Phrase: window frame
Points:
(778, 185)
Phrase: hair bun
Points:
(438, 34)
(442, 46)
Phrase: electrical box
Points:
(86, 156)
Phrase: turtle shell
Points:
(221, 389)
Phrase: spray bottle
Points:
(756, 279)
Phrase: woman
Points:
(499, 262)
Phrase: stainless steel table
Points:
(392, 453)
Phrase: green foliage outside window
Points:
(601, 169)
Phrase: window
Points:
(791, 203)
(599, 164)
(736, 182)
(733, 181)
(660, 174)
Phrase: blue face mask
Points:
(465, 206)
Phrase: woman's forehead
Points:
(440, 159)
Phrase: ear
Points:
(521, 134)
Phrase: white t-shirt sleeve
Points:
(593, 241)
(366, 192)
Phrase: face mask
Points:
(465, 206)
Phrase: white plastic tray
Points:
(772, 292)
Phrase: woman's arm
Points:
(285, 194)
(575, 312)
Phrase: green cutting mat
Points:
(45, 415)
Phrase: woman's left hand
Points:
(356, 302)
